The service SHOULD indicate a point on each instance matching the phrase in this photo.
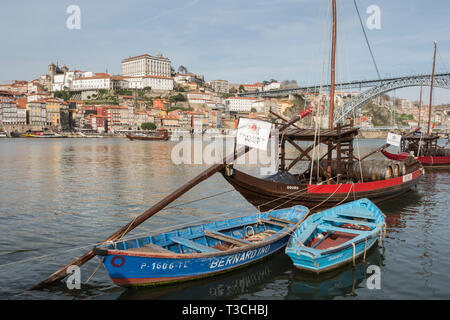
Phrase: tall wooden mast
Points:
(333, 58)
(420, 104)
(431, 91)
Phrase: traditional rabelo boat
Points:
(336, 177)
(424, 147)
(200, 250)
(336, 236)
(159, 134)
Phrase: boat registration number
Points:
(407, 177)
(292, 187)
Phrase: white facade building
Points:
(100, 81)
(146, 65)
(272, 86)
(61, 81)
(244, 104)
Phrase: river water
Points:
(59, 197)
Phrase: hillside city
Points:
(150, 91)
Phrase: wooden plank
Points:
(193, 245)
(307, 232)
(357, 213)
(362, 223)
(281, 224)
(344, 230)
(224, 237)
(151, 248)
(281, 220)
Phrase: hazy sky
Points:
(240, 41)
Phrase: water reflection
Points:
(227, 286)
(342, 282)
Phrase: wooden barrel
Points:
(382, 172)
(364, 170)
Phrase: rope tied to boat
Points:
(354, 253)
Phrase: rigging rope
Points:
(367, 40)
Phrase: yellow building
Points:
(284, 105)
(53, 107)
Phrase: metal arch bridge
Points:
(377, 88)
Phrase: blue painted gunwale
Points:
(317, 260)
(179, 263)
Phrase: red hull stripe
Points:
(424, 160)
(365, 186)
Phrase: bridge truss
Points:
(377, 88)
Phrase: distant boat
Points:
(424, 147)
(336, 236)
(199, 251)
(41, 134)
(160, 134)
(3, 134)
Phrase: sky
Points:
(239, 41)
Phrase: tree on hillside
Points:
(148, 126)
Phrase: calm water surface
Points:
(61, 196)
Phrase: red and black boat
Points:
(424, 147)
(332, 178)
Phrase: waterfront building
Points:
(37, 113)
(170, 121)
(118, 116)
(9, 111)
(146, 65)
(53, 108)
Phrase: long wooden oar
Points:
(62, 273)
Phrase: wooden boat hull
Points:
(267, 195)
(334, 255)
(131, 267)
(437, 161)
(133, 137)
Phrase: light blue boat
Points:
(336, 236)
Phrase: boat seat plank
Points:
(344, 230)
(150, 247)
(193, 245)
(224, 237)
(276, 223)
(358, 213)
(362, 223)
(307, 232)
(281, 220)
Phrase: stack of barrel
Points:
(441, 152)
(372, 170)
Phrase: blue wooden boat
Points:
(199, 251)
(333, 237)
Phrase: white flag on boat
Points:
(394, 139)
(253, 133)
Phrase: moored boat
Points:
(199, 251)
(423, 146)
(160, 134)
(336, 236)
(330, 178)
